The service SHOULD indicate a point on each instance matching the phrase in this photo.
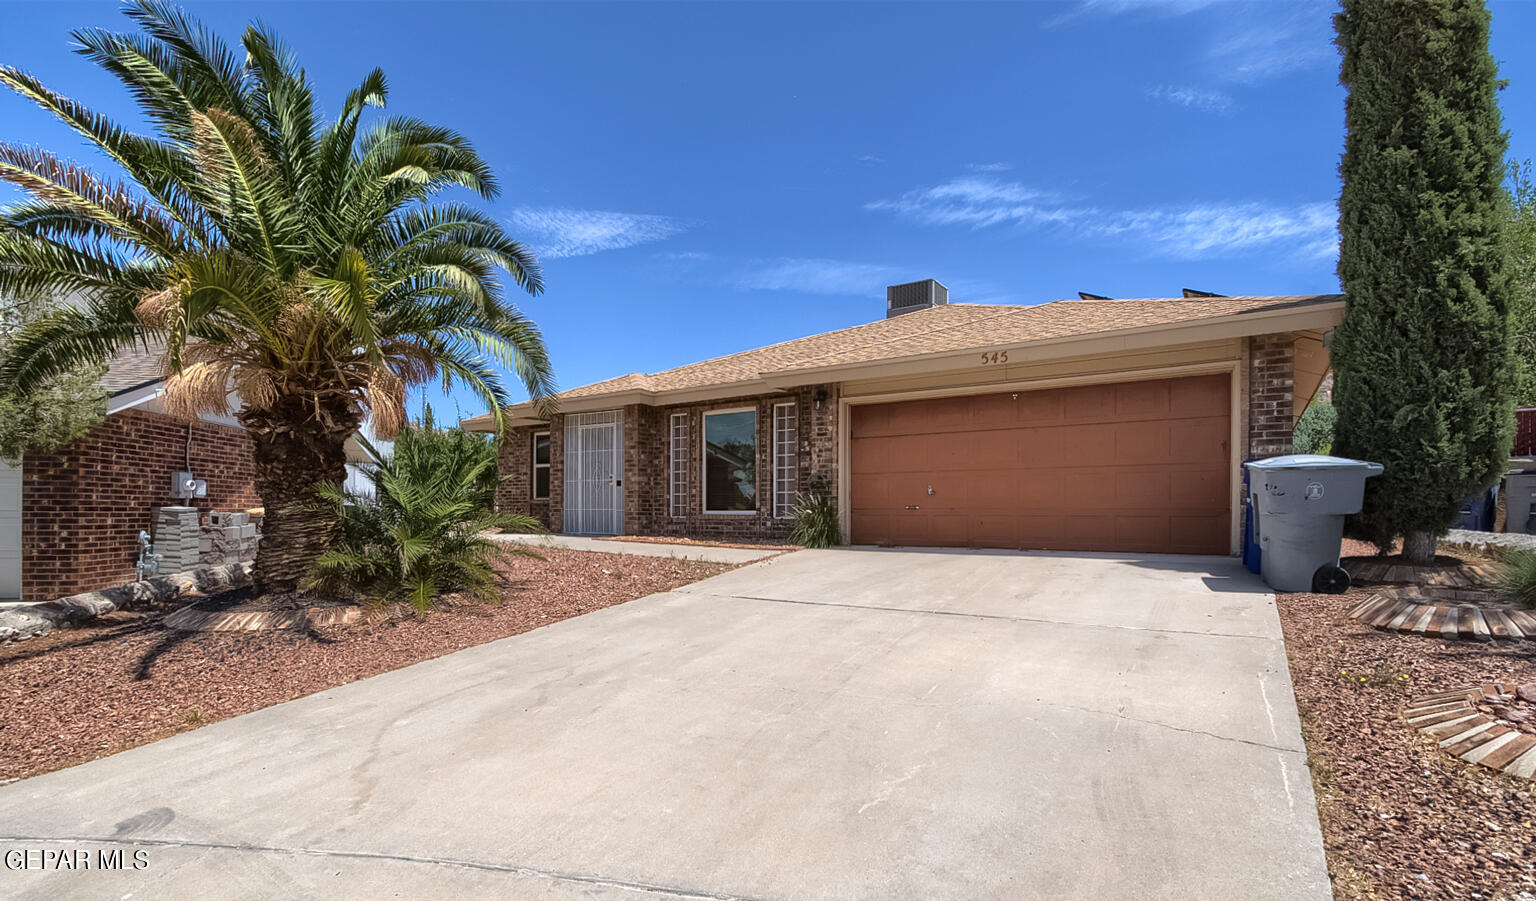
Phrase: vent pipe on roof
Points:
(1084, 295)
(914, 296)
(1191, 292)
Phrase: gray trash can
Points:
(1301, 501)
(1520, 501)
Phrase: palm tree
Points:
(305, 266)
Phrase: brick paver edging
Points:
(190, 619)
(1450, 719)
(1395, 613)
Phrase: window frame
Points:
(704, 461)
(535, 465)
(677, 466)
(786, 509)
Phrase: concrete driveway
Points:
(828, 724)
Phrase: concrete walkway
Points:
(826, 724)
(702, 552)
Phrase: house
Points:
(70, 520)
(1090, 424)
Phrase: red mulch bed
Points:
(79, 694)
(653, 539)
(1400, 817)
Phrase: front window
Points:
(730, 461)
(540, 466)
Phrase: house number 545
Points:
(994, 357)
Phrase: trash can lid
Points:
(1313, 461)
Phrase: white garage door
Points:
(10, 531)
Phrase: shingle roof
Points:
(132, 367)
(951, 327)
(946, 328)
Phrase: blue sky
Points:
(706, 178)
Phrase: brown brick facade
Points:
(514, 494)
(83, 506)
(647, 469)
(1271, 394)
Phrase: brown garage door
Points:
(1136, 466)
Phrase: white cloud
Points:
(1186, 231)
(1194, 98)
(871, 158)
(1244, 42)
(975, 201)
(565, 232)
(1203, 230)
(817, 276)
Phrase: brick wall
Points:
(816, 455)
(1271, 394)
(514, 494)
(83, 506)
(646, 467)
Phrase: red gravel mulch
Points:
(652, 539)
(1400, 817)
(79, 694)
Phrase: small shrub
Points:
(1314, 431)
(419, 535)
(815, 519)
(1518, 578)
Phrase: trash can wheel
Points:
(1330, 579)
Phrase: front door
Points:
(594, 474)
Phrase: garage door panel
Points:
(989, 491)
(1095, 403)
(870, 528)
(871, 421)
(1085, 489)
(992, 409)
(1038, 408)
(1150, 531)
(1142, 488)
(1140, 466)
(1196, 534)
(1199, 488)
(909, 530)
(1199, 440)
(1041, 448)
(1200, 397)
(870, 491)
(1089, 445)
(1039, 531)
(1085, 531)
(949, 414)
(1141, 400)
(992, 449)
(1141, 443)
(998, 530)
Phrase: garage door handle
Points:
(911, 506)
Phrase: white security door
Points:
(10, 531)
(594, 474)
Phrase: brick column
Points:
(1271, 394)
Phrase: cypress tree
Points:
(1422, 360)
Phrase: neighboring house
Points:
(1113, 425)
(70, 520)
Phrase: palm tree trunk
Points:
(295, 452)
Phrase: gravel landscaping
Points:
(83, 693)
(1401, 818)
